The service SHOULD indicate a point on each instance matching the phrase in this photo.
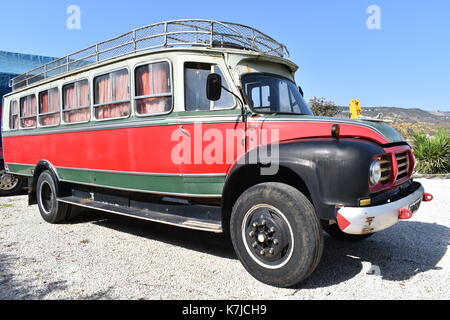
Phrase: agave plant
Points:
(432, 153)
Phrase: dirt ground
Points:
(105, 256)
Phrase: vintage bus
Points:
(200, 124)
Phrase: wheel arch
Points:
(243, 177)
(42, 166)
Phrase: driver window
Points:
(195, 75)
(260, 97)
(272, 96)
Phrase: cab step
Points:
(190, 216)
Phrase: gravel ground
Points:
(111, 257)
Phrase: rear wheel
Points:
(11, 185)
(50, 208)
(276, 234)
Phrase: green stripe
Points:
(21, 169)
(170, 184)
(164, 184)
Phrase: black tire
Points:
(276, 234)
(50, 208)
(14, 186)
(336, 233)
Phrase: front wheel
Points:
(276, 234)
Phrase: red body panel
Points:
(143, 149)
(149, 149)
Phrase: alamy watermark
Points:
(374, 19)
(73, 22)
(212, 146)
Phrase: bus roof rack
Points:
(175, 33)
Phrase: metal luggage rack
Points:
(176, 33)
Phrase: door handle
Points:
(184, 131)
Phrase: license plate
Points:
(415, 205)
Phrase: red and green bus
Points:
(200, 124)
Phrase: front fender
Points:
(335, 171)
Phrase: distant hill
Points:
(409, 121)
(413, 115)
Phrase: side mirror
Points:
(301, 90)
(213, 87)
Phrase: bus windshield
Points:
(273, 94)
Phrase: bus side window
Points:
(112, 95)
(28, 112)
(49, 108)
(195, 75)
(76, 104)
(13, 116)
(153, 92)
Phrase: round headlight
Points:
(375, 173)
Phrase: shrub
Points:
(432, 153)
(323, 108)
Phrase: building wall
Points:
(18, 63)
(13, 64)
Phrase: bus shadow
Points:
(21, 193)
(396, 254)
(206, 242)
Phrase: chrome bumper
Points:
(365, 220)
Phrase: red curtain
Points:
(28, 108)
(69, 97)
(153, 79)
(44, 102)
(49, 102)
(77, 95)
(102, 95)
(110, 88)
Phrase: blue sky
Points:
(406, 63)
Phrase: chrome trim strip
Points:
(20, 174)
(21, 164)
(150, 173)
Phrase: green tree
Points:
(323, 108)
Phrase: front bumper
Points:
(365, 220)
